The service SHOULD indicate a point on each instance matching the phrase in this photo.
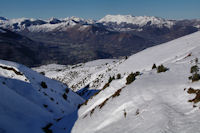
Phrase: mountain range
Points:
(74, 40)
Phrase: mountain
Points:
(67, 41)
(136, 20)
(18, 48)
(114, 22)
(30, 102)
(2, 18)
(37, 25)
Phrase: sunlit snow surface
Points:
(136, 20)
(154, 102)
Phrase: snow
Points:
(22, 99)
(47, 27)
(162, 53)
(154, 102)
(136, 20)
(162, 107)
(80, 75)
(82, 28)
(61, 25)
(197, 26)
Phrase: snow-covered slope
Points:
(163, 53)
(94, 73)
(154, 102)
(29, 101)
(136, 20)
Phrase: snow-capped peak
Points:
(36, 25)
(79, 20)
(73, 18)
(3, 18)
(53, 20)
(136, 20)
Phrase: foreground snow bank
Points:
(29, 101)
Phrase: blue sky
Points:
(95, 9)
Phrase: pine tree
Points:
(154, 66)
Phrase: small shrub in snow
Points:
(194, 106)
(197, 97)
(161, 68)
(137, 112)
(118, 76)
(190, 54)
(45, 105)
(125, 113)
(3, 82)
(45, 93)
(195, 77)
(64, 96)
(43, 84)
(79, 106)
(103, 103)
(108, 84)
(111, 79)
(92, 111)
(105, 86)
(85, 116)
(117, 93)
(191, 90)
(52, 99)
(43, 73)
(196, 60)
(46, 128)
(154, 66)
(58, 119)
(66, 90)
(130, 78)
(194, 69)
(109, 69)
(136, 73)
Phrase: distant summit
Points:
(2, 18)
(137, 20)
